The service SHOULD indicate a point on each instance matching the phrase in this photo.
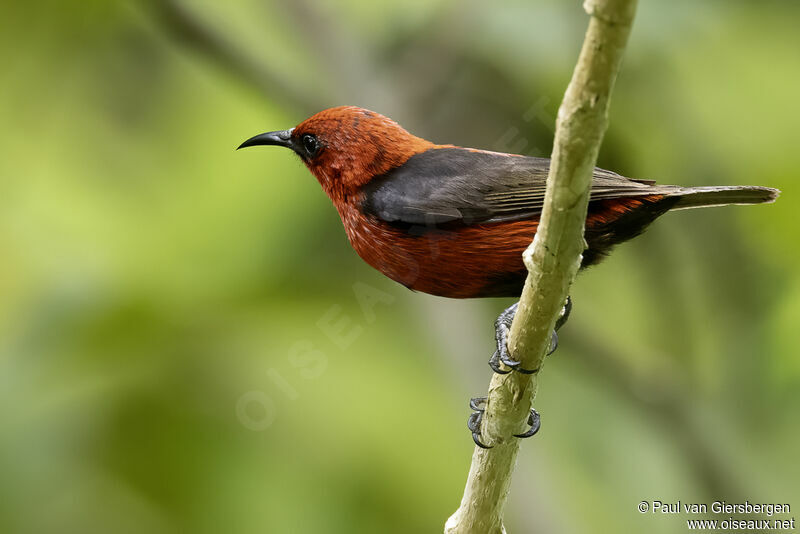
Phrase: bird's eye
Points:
(310, 145)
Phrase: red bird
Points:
(454, 221)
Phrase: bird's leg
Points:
(502, 326)
(478, 405)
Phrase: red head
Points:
(345, 147)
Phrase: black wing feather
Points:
(444, 185)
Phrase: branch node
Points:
(612, 12)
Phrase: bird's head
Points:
(345, 147)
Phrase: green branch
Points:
(552, 260)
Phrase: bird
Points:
(453, 221)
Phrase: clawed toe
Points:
(565, 311)
(553, 343)
(534, 421)
(474, 422)
(494, 363)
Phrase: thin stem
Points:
(552, 261)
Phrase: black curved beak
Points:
(278, 138)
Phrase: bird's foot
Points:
(501, 356)
(503, 325)
(478, 405)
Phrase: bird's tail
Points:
(702, 197)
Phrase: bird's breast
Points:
(459, 261)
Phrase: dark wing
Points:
(444, 185)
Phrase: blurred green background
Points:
(164, 360)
